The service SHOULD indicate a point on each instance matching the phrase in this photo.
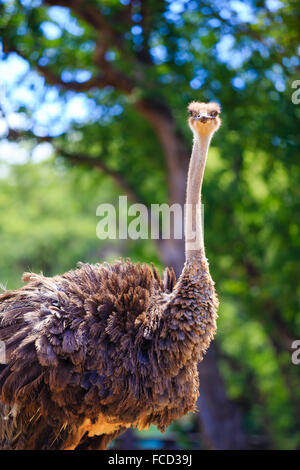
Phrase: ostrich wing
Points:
(71, 343)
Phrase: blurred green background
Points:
(93, 105)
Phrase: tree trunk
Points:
(220, 418)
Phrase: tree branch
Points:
(93, 16)
(117, 177)
(106, 32)
(54, 79)
(113, 76)
(81, 159)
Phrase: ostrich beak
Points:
(202, 117)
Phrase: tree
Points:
(149, 59)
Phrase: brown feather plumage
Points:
(109, 345)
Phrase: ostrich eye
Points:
(214, 113)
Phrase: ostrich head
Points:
(204, 117)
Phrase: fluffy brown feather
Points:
(100, 349)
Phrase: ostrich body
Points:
(106, 347)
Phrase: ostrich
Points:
(104, 347)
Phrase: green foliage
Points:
(251, 189)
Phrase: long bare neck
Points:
(194, 239)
